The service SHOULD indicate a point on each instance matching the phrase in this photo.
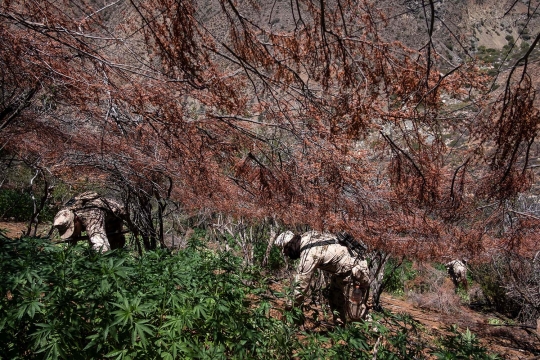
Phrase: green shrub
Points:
(355, 341)
(491, 278)
(275, 259)
(71, 302)
(396, 274)
(18, 206)
(462, 346)
(15, 204)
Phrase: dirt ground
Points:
(510, 342)
(14, 230)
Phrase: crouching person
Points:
(324, 252)
(101, 218)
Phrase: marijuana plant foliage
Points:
(61, 302)
(322, 122)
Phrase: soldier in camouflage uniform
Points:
(457, 269)
(101, 218)
(323, 251)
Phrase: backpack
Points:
(81, 200)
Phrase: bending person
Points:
(101, 218)
(323, 251)
(457, 269)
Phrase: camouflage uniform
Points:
(322, 251)
(458, 272)
(102, 218)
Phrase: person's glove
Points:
(360, 273)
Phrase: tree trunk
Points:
(270, 244)
(34, 219)
(161, 208)
(145, 223)
(376, 270)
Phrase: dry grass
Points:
(433, 290)
(443, 299)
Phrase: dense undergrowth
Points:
(70, 302)
(18, 206)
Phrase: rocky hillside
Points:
(494, 31)
(461, 26)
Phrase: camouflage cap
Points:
(64, 222)
(284, 238)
